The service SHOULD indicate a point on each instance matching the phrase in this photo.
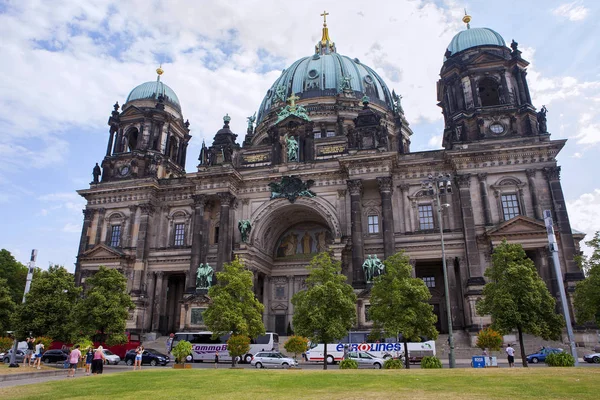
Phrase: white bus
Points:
(204, 346)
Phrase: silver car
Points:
(266, 359)
(365, 359)
(19, 357)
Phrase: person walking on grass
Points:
(216, 359)
(89, 356)
(138, 358)
(73, 361)
(510, 352)
(28, 353)
(39, 350)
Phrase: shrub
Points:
(296, 344)
(560, 360)
(181, 351)
(46, 341)
(348, 364)
(489, 339)
(5, 344)
(431, 362)
(84, 344)
(237, 346)
(393, 364)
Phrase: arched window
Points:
(173, 148)
(489, 92)
(132, 139)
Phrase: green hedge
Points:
(393, 364)
(431, 362)
(348, 364)
(560, 360)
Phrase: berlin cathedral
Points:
(326, 165)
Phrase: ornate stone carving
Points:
(530, 172)
(482, 176)
(404, 187)
(291, 187)
(147, 208)
(385, 184)
(354, 186)
(341, 193)
(463, 180)
(199, 200)
(226, 198)
(88, 213)
(552, 173)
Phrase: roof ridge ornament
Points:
(325, 45)
(466, 19)
(159, 72)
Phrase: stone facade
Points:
(156, 223)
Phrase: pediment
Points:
(130, 111)
(518, 226)
(102, 251)
(279, 306)
(486, 57)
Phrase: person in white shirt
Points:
(511, 356)
(39, 349)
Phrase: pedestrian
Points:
(139, 351)
(29, 352)
(511, 356)
(39, 350)
(216, 359)
(169, 343)
(73, 361)
(98, 361)
(89, 356)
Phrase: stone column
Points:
(485, 201)
(88, 216)
(385, 189)
(475, 94)
(472, 253)
(141, 249)
(522, 202)
(520, 87)
(111, 136)
(561, 219)
(128, 234)
(290, 310)
(537, 211)
(157, 300)
(197, 241)
(100, 225)
(355, 188)
(403, 194)
(224, 250)
(413, 264)
(266, 300)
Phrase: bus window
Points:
(263, 339)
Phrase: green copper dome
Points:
(475, 37)
(151, 91)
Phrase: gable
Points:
(486, 57)
(518, 226)
(102, 251)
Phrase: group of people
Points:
(33, 355)
(94, 360)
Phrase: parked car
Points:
(265, 359)
(110, 357)
(150, 356)
(365, 359)
(19, 357)
(541, 354)
(54, 356)
(592, 358)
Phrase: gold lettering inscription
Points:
(332, 149)
(254, 158)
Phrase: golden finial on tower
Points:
(159, 70)
(324, 15)
(466, 19)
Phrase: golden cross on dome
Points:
(324, 15)
(292, 99)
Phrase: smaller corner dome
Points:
(151, 91)
(475, 37)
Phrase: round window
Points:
(369, 79)
(497, 128)
(313, 73)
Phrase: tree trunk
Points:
(406, 360)
(523, 357)
(325, 356)
(232, 361)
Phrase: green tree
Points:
(105, 306)
(181, 351)
(238, 346)
(296, 344)
(489, 339)
(15, 275)
(326, 310)
(49, 305)
(517, 298)
(7, 307)
(234, 307)
(586, 300)
(399, 303)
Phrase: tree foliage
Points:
(326, 310)
(517, 298)
(489, 339)
(7, 307)
(238, 346)
(399, 303)
(296, 344)
(182, 349)
(49, 306)
(5, 343)
(105, 306)
(234, 308)
(15, 275)
(586, 300)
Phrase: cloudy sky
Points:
(65, 63)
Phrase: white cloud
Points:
(574, 11)
(72, 228)
(584, 215)
(435, 141)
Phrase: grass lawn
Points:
(445, 384)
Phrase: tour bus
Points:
(204, 346)
(356, 341)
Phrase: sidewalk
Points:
(30, 374)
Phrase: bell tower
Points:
(483, 91)
(148, 138)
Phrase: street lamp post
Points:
(435, 185)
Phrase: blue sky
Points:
(65, 63)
